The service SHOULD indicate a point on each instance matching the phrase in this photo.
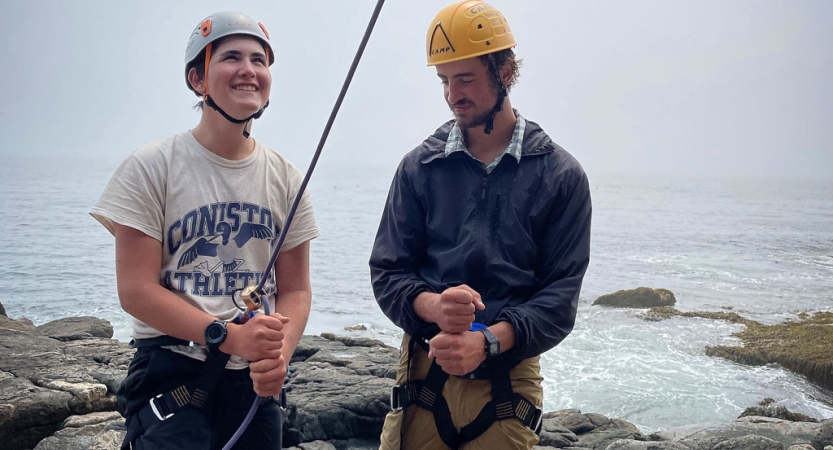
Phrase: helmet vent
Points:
(205, 27)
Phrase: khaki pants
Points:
(465, 399)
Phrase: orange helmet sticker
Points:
(205, 70)
(205, 27)
(264, 30)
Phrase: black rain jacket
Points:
(520, 236)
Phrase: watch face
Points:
(492, 343)
(215, 333)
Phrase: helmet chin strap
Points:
(490, 122)
(210, 102)
(501, 95)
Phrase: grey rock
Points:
(628, 444)
(641, 297)
(356, 444)
(338, 388)
(557, 440)
(784, 432)
(571, 419)
(16, 324)
(29, 412)
(315, 445)
(43, 381)
(91, 432)
(824, 436)
(74, 328)
(91, 419)
(750, 442)
(591, 431)
(768, 408)
(59, 394)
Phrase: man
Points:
(194, 218)
(480, 253)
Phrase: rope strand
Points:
(298, 197)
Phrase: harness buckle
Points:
(537, 420)
(395, 398)
(155, 410)
(281, 398)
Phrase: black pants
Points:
(155, 370)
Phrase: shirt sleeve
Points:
(303, 227)
(135, 194)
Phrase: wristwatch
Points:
(215, 334)
(492, 343)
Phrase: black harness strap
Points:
(196, 393)
(518, 407)
(432, 389)
(158, 341)
(427, 394)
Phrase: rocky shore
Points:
(58, 384)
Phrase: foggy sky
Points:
(741, 87)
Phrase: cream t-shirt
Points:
(217, 220)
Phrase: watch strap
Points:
(492, 343)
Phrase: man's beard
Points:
(471, 122)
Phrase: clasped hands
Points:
(260, 340)
(456, 349)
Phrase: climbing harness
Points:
(198, 393)
(427, 394)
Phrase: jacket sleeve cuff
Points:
(411, 322)
(521, 336)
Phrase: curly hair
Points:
(494, 62)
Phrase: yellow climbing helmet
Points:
(467, 29)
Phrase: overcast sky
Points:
(652, 86)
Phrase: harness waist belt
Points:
(196, 393)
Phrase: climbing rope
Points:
(254, 296)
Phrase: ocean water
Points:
(763, 248)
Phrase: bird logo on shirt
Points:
(222, 246)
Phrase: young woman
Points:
(195, 217)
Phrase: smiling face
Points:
(239, 80)
(469, 91)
